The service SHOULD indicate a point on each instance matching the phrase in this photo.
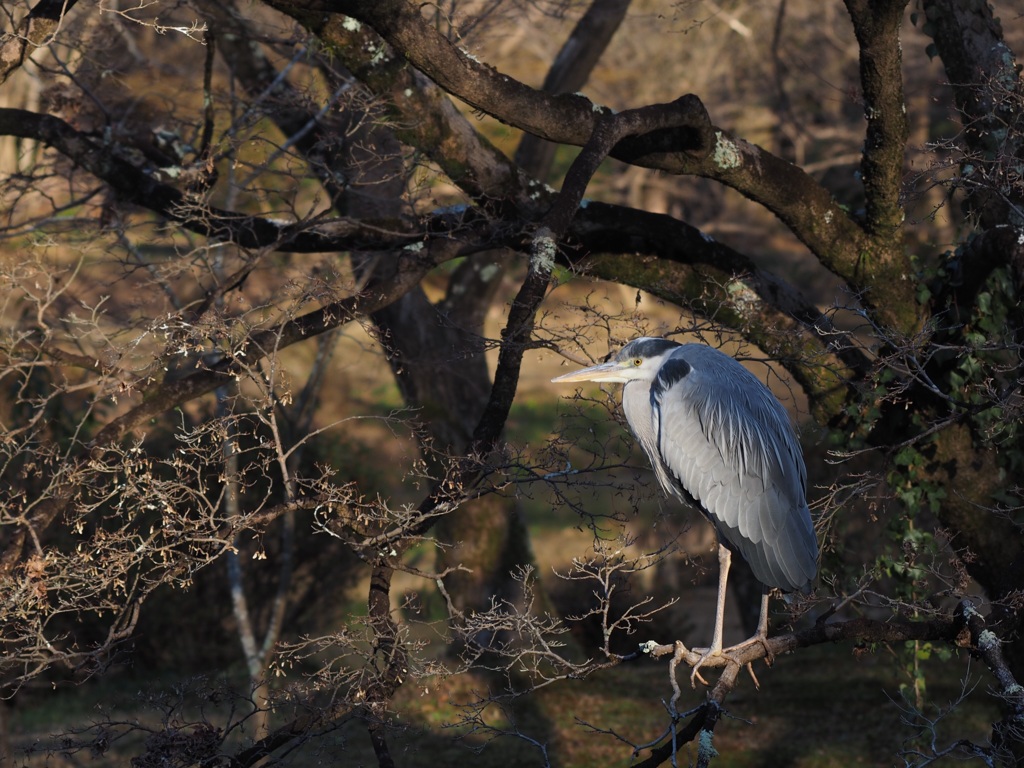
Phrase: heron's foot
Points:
(705, 654)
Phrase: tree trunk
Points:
(437, 355)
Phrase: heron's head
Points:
(640, 359)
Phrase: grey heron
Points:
(720, 440)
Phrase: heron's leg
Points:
(762, 624)
(762, 630)
(724, 563)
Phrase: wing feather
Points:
(720, 436)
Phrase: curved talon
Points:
(695, 671)
(695, 675)
(750, 669)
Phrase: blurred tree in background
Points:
(226, 225)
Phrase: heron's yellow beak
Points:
(610, 371)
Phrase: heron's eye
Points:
(637, 362)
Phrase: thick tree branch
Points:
(571, 119)
(884, 267)
(423, 116)
(462, 150)
(809, 210)
(423, 119)
(876, 24)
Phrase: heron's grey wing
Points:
(725, 439)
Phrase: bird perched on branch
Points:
(720, 440)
